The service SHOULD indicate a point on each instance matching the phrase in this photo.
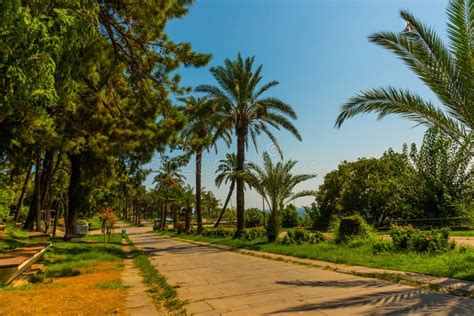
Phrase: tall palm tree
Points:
(169, 176)
(226, 172)
(200, 134)
(447, 70)
(275, 182)
(239, 101)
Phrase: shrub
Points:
(417, 240)
(289, 216)
(352, 227)
(253, 217)
(223, 232)
(312, 216)
(219, 232)
(382, 246)
(300, 236)
(253, 233)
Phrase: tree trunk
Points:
(198, 190)
(241, 140)
(74, 194)
(34, 215)
(56, 217)
(188, 219)
(229, 196)
(163, 214)
(175, 218)
(274, 224)
(22, 194)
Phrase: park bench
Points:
(16, 261)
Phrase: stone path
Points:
(216, 282)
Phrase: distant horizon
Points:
(319, 66)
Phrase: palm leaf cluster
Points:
(447, 70)
(276, 182)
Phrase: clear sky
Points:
(319, 52)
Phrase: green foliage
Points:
(412, 239)
(254, 218)
(348, 229)
(219, 232)
(289, 216)
(111, 284)
(253, 233)
(276, 182)
(300, 236)
(446, 70)
(222, 232)
(375, 188)
(445, 178)
(312, 216)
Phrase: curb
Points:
(439, 284)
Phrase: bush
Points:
(253, 233)
(289, 216)
(223, 232)
(417, 240)
(219, 232)
(253, 218)
(352, 227)
(300, 236)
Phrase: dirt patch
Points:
(78, 295)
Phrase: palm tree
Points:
(447, 71)
(238, 98)
(187, 199)
(200, 134)
(275, 183)
(226, 171)
(169, 175)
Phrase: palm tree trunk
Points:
(188, 219)
(241, 139)
(231, 190)
(22, 195)
(198, 190)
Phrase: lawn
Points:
(11, 239)
(456, 264)
(80, 277)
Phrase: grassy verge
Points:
(462, 233)
(80, 256)
(12, 239)
(161, 291)
(83, 271)
(456, 264)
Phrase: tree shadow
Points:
(339, 284)
(397, 302)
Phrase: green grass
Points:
(462, 233)
(15, 239)
(95, 222)
(79, 256)
(452, 264)
(159, 288)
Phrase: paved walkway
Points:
(215, 281)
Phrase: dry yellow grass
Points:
(78, 295)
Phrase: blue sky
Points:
(319, 52)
